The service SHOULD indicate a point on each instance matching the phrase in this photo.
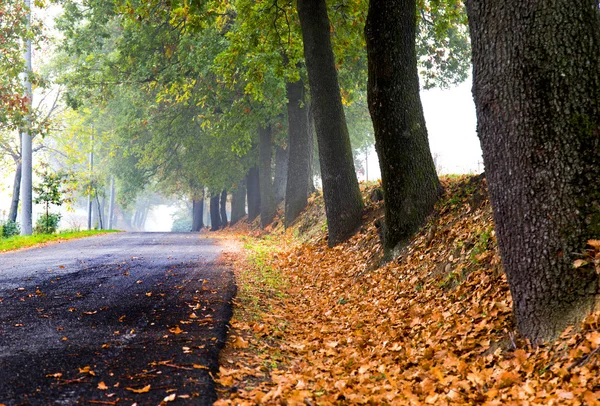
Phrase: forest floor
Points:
(317, 325)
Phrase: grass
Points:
(25, 241)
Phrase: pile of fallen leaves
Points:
(433, 327)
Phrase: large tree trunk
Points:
(224, 208)
(267, 198)
(410, 183)
(281, 172)
(215, 214)
(311, 151)
(14, 204)
(238, 203)
(343, 201)
(253, 186)
(536, 73)
(300, 148)
(198, 212)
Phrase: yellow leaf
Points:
(170, 398)
(102, 386)
(176, 330)
(579, 263)
(143, 390)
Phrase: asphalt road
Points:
(92, 321)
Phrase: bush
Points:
(47, 224)
(181, 225)
(10, 228)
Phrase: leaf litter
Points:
(432, 327)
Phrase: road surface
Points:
(116, 319)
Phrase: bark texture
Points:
(537, 93)
(343, 201)
(267, 197)
(281, 173)
(215, 213)
(197, 214)
(224, 208)
(300, 149)
(253, 189)
(238, 204)
(14, 204)
(410, 183)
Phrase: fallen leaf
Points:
(176, 330)
(240, 343)
(102, 386)
(170, 398)
(143, 390)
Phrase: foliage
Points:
(9, 229)
(51, 191)
(181, 225)
(47, 223)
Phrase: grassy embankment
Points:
(318, 325)
(27, 241)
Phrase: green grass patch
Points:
(25, 241)
(260, 252)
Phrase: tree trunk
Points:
(343, 201)
(536, 84)
(197, 213)
(224, 208)
(267, 198)
(111, 204)
(300, 146)
(27, 144)
(238, 203)
(311, 151)
(14, 204)
(253, 186)
(410, 183)
(281, 173)
(215, 214)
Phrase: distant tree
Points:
(410, 183)
(215, 212)
(536, 75)
(223, 208)
(343, 201)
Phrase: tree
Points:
(536, 72)
(301, 145)
(223, 208)
(197, 213)
(238, 203)
(215, 213)
(343, 201)
(267, 197)
(410, 183)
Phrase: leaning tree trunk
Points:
(215, 214)
(253, 189)
(267, 198)
(536, 73)
(301, 144)
(343, 201)
(198, 212)
(281, 173)
(410, 183)
(238, 203)
(224, 208)
(14, 204)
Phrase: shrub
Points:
(10, 228)
(47, 224)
